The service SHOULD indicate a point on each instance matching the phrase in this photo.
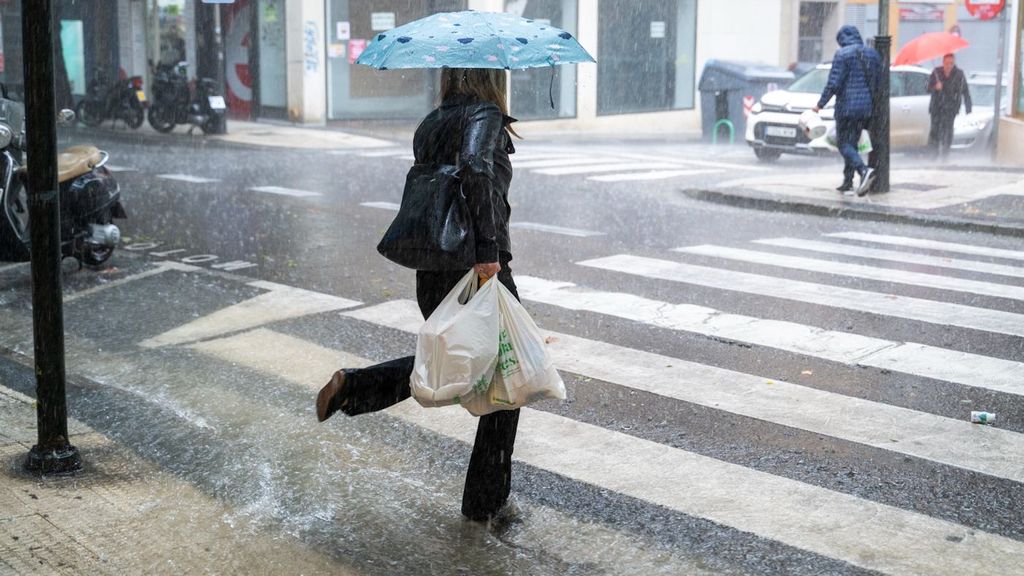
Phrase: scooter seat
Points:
(77, 160)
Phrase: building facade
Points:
(293, 60)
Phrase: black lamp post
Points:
(53, 454)
(880, 125)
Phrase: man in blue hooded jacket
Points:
(853, 80)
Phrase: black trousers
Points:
(848, 131)
(940, 137)
(489, 478)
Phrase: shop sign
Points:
(657, 29)
(343, 30)
(355, 49)
(922, 13)
(382, 21)
(336, 50)
(985, 9)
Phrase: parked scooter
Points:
(177, 101)
(89, 196)
(121, 100)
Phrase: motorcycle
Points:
(176, 101)
(121, 100)
(89, 196)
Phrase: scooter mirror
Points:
(65, 117)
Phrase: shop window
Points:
(534, 89)
(646, 56)
(1020, 69)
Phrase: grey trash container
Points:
(727, 90)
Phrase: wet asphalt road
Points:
(324, 243)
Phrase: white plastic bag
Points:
(863, 145)
(812, 125)
(525, 372)
(457, 347)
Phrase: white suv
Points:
(772, 126)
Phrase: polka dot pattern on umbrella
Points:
(473, 39)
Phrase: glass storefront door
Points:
(645, 59)
(533, 89)
(361, 92)
(272, 62)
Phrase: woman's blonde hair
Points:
(487, 84)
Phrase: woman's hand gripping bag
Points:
(525, 372)
(457, 346)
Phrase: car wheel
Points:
(767, 155)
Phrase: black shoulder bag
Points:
(433, 229)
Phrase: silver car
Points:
(772, 128)
(974, 131)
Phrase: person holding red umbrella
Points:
(948, 88)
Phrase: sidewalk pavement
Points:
(123, 515)
(978, 198)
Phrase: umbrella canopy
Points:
(930, 46)
(472, 39)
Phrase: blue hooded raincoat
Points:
(847, 81)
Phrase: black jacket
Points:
(472, 135)
(954, 92)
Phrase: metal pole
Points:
(880, 126)
(53, 453)
(1000, 57)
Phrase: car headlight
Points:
(6, 135)
(757, 108)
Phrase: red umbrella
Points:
(930, 46)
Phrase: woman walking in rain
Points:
(470, 129)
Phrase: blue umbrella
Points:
(472, 39)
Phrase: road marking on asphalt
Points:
(652, 175)
(280, 302)
(931, 311)
(285, 191)
(889, 275)
(548, 162)
(187, 178)
(852, 349)
(851, 529)
(894, 256)
(555, 229)
(956, 443)
(116, 168)
(160, 268)
(605, 167)
(931, 245)
(382, 205)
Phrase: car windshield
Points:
(813, 82)
(983, 95)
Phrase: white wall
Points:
(306, 61)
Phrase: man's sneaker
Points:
(867, 178)
(846, 186)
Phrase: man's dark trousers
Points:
(847, 136)
(940, 138)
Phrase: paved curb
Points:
(740, 199)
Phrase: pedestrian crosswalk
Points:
(598, 164)
(914, 285)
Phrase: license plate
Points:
(780, 131)
(141, 95)
(217, 102)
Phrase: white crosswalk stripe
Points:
(887, 427)
(931, 245)
(932, 311)
(894, 256)
(907, 357)
(858, 271)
